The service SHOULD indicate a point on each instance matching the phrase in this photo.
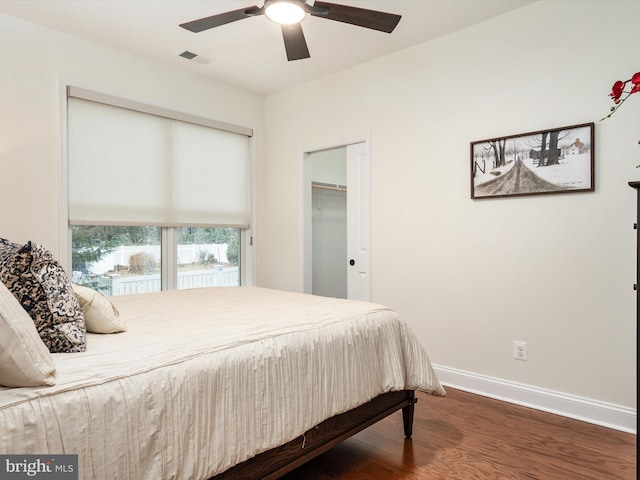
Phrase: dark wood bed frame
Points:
(276, 462)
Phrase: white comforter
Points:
(206, 378)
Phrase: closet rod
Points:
(329, 186)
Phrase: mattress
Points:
(206, 378)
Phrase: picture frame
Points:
(518, 165)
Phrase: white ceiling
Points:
(250, 53)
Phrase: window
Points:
(208, 257)
(157, 199)
(118, 260)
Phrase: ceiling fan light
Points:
(285, 12)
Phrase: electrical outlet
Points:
(519, 350)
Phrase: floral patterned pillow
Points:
(42, 287)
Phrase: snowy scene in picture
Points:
(552, 161)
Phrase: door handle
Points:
(352, 262)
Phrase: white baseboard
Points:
(579, 408)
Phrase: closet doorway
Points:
(337, 222)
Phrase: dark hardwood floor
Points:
(468, 437)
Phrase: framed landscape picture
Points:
(548, 161)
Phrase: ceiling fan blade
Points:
(294, 42)
(220, 19)
(362, 17)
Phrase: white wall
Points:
(472, 276)
(36, 61)
(329, 166)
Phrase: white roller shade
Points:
(132, 168)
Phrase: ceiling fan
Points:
(289, 14)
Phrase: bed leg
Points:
(407, 415)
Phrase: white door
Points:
(358, 223)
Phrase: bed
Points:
(234, 382)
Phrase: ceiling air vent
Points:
(194, 56)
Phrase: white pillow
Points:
(25, 361)
(99, 313)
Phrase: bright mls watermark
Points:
(50, 467)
